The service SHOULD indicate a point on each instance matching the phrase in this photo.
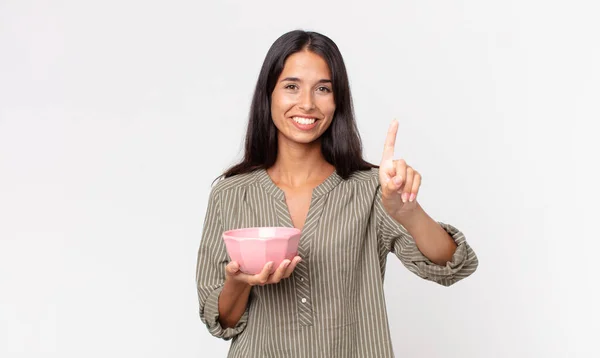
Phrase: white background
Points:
(115, 117)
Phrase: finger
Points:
(392, 187)
(292, 266)
(390, 141)
(406, 191)
(279, 273)
(263, 277)
(387, 170)
(399, 179)
(415, 187)
(232, 268)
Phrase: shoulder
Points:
(369, 177)
(362, 181)
(235, 182)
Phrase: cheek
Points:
(327, 107)
(281, 104)
(325, 101)
(332, 110)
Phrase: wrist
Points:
(412, 217)
(236, 285)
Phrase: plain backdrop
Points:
(116, 116)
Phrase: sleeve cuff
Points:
(463, 263)
(210, 316)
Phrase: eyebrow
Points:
(296, 79)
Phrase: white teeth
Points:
(302, 120)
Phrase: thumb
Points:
(232, 268)
(392, 186)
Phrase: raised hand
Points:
(399, 182)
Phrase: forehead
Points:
(306, 64)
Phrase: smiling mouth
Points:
(303, 120)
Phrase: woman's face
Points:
(302, 103)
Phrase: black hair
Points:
(340, 143)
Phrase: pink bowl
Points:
(253, 247)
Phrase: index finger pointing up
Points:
(390, 141)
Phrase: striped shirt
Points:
(333, 304)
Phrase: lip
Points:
(303, 116)
(304, 127)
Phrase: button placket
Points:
(302, 270)
(303, 290)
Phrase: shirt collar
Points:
(267, 183)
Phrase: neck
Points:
(299, 164)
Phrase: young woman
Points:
(303, 167)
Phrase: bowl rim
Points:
(227, 233)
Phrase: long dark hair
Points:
(340, 143)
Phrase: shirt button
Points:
(303, 300)
(302, 279)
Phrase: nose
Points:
(307, 102)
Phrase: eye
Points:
(324, 89)
(291, 86)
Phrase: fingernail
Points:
(286, 264)
(398, 180)
(412, 197)
(404, 197)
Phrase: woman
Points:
(303, 167)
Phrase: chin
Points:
(300, 138)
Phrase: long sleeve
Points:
(210, 272)
(396, 239)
